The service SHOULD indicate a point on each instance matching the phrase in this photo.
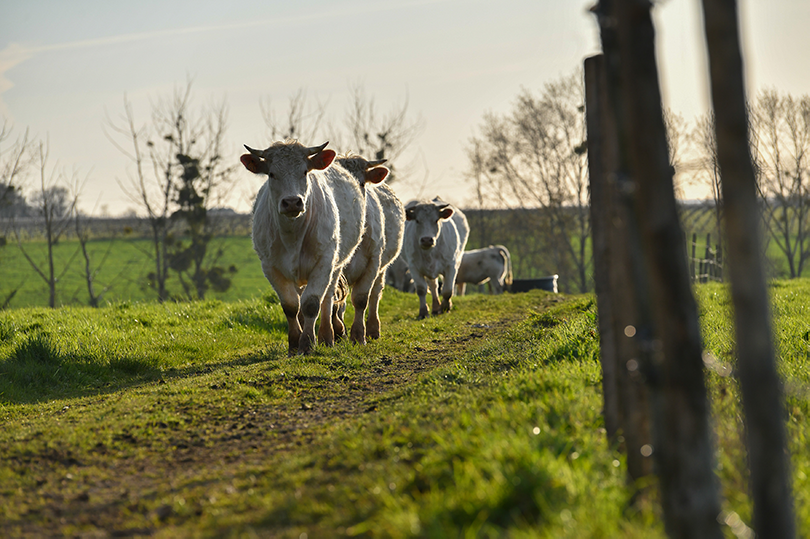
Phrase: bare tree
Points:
(364, 131)
(202, 180)
(378, 136)
(301, 121)
(149, 186)
(14, 161)
(88, 270)
(677, 141)
(782, 126)
(535, 157)
(178, 174)
(55, 206)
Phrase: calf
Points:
(381, 244)
(435, 237)
(307, 222)
(491, 264)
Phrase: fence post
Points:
(673, 359)
(600, 228)
(627, 408)
(761, 386)
(692, 260)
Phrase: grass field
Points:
(126, 263)
(189, 420)
(124, 271)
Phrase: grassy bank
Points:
(190, 420)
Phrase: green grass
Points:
(190, 420)
(124, 271)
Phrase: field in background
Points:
(188, 419)
(126, 268)
(124, 271)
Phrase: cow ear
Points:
(321, 160)
(409, 214)
(446, 213)
(252, 163)
(376, 174)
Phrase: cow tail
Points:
(505, 252)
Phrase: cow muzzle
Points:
(291, 206)
(427, 242)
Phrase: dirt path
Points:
(96, 494)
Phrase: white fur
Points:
(302, 256)
(491, 264)
(443, 258)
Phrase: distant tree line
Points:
(534, 157)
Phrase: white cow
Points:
(435, 237)
(381, 244)
(399, 276)
(308, 220)
(491, 264)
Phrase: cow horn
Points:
(316, 149)
(372, 164)
(257, 153)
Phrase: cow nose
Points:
(427, 242)
(292, 205)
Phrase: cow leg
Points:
(339, 328)
(421, 291)
(373, 325)
(447, 289)
(326, 333)
(360, 294)
(319, 286)
(461, 288)
(339, 308)
(289, 298)
(434, 291)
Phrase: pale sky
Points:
(66, 65)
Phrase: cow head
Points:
(362, 170)
(426, 217)
(287, 165)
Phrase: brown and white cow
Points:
(491, 264)
(381, 244)
(308, 220)
(435, 236)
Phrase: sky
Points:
(65, 68)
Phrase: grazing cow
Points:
(435, 237)
(301, 238)
(491, 264)
(399, 276)
(381, 243)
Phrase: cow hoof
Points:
(304, 346)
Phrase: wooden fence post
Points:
(759, 379)
(616, 275)
(600, 228)
(692, 260)
(673, 362)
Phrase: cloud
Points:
(11, 56)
